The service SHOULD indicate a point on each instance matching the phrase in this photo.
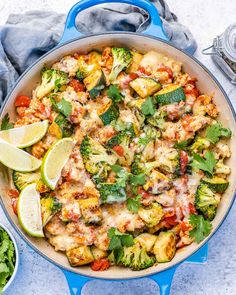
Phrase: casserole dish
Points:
(73, 41)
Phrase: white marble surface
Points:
(206, 19)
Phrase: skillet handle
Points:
(75, 282)
(164, 280)
(154, 29)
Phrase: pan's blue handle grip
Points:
(200, 256)
(154, 29)
(164, 279)
(75, 282)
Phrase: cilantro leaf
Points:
(122, 175)
(182, 145)
(201, 227)
(118, 240)
(206, 164)
(64, 107)
(148, 107)
(215, 131)
(133, 204)
(114, 94)
(139, 179)
(5, 123)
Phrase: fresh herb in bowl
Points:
(7, 258)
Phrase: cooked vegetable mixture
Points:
(147, 170)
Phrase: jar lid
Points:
(229, 39)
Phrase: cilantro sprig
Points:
(114, 94)
(133, 204)
(119, 240)
(201, 227)
(148, 107)
(6, 124)
(206, 164)
(215, 131)
(7, 258)
(64, 107)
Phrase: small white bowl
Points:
(17, 257)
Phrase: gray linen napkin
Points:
(26, 37)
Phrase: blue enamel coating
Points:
(154, 29)
(163, 279)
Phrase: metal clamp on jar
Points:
(223, 52)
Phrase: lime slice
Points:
(29, 211)
(54, 160)
(26, 135)
(16, 159)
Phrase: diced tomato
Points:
(166, 69)
(185, 226)
(119, 150)
(133, 76)
(22, 101)
(100, 264)
(13, 193)
(144, 71)
(77, 85)
(171, 221)
(183, 161)
(192, 208)
(14, 205)
(143, 193)
(192, 90)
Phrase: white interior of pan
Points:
(205, 83)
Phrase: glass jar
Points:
(223, 52)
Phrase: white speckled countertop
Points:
(36, 276)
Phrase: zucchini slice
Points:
(146, 241)
(98, 253)
(21, 180)
(165, 247)
(137, 57)
(170, 94)
(108, 113)
(145, 86)
(95, 83)
(80, 256)
(216, 184)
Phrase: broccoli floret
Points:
(51, 80)
(143, 168)
(80, 75)
(199, 145)
(152, 214)
(221, 168)
(49, 207)
(111, 193)
(136, 258)
(96, 158)
(206, 201)
(158, 119)
(122, 58)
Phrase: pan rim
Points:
(64, 268)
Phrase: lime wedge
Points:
(26, 135)
(16, 159)
(29, 211)
(54, 160)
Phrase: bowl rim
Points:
(205, 241)
(16, 255)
